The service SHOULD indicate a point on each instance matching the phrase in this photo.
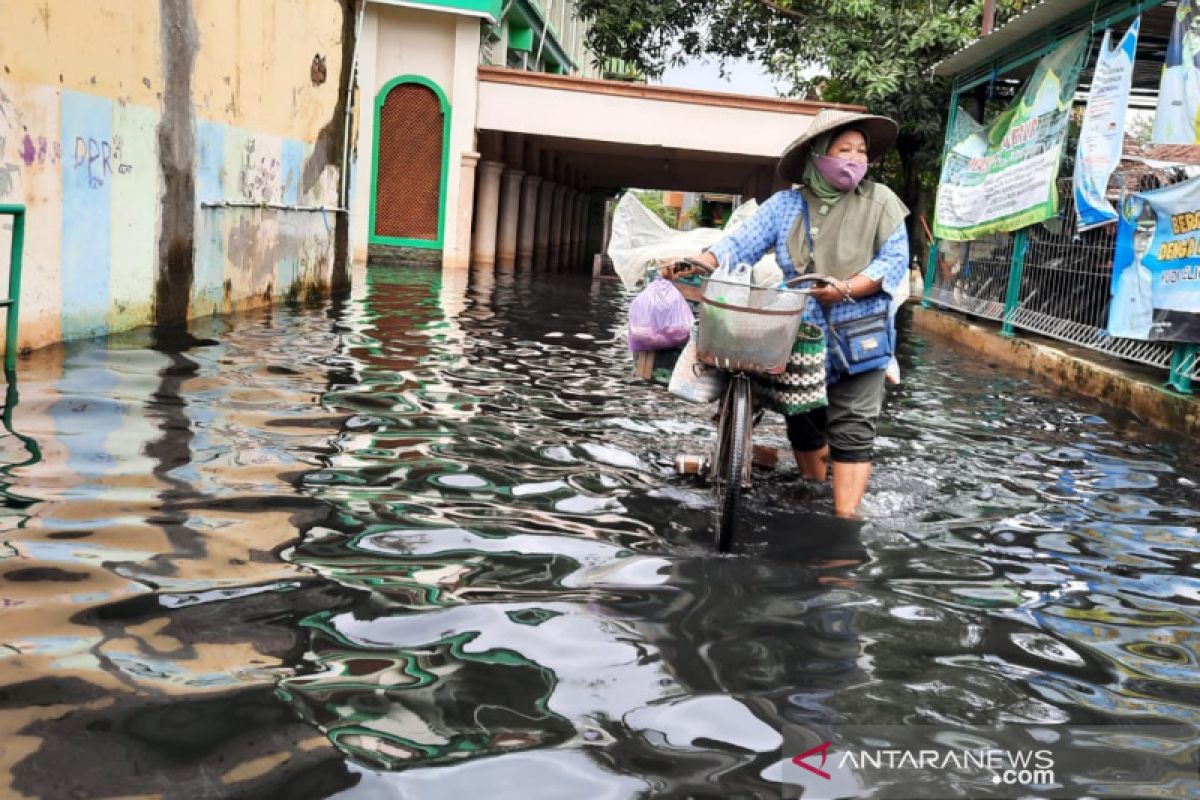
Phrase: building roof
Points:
(1160, 154)
(1012, 47)
(1013, 33)
(1173, 153)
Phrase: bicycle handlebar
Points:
(686, 264)
(690, 266)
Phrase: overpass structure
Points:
(554, 147)
(487, 165)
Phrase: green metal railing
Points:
(12, 302)
(1051, 280)
(1051, 284)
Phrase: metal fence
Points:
(1063, 287)
(973, 276)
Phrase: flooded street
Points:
(428, 542)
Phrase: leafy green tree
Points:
(653, 200)
(871, 52)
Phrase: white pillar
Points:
(555, 251)
(529, 216)
(580, 227)
(510, 208)
(542, 240)
(456, 253)
(487, 213)
(567, 259)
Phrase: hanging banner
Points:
(1179, 90)
(1156, 267)
(1103, 132)
(1002, 178)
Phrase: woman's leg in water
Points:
(806, 432)
(813, 464)
(855, 403)
(849, 486)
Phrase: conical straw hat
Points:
(881, 135)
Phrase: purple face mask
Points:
(841, 173)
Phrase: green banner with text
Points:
(1002, 177)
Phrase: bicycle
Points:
(738, 347)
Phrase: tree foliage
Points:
(875, 53)
(653, 200)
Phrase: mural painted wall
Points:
(125, 128)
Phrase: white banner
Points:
(1179, 92)
(1103, 132)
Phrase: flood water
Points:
(427, 542)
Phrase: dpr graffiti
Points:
(100, 158)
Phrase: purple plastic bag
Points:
(659, 318)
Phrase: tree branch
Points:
(775, 6)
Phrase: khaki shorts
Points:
(847, 425)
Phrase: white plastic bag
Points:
(767, 273)
(640, 239)
(730, 284)
(693, 381)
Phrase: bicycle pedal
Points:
(688, 464)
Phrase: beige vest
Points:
(846, 234)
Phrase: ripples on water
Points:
(428, 540)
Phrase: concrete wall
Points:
(445, 49)
(638, 117)
(118, 118)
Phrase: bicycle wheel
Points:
(733, 436)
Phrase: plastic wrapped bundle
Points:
(659, 318)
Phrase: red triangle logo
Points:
(822, 749)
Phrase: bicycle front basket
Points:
(748, 329)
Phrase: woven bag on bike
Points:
(800, 387)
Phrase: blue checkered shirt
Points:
(769, 228)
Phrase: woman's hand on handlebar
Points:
(686, 267)
(824, 288)
(832, 291)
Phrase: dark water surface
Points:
(428, 543)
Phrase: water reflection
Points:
(427, 540)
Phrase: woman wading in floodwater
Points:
(851, 229)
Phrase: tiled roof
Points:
(1175, 153)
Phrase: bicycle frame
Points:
(730, 463)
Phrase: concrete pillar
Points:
(606, 231)
(574, 251)
(457, 256)
(487, 214)
(564, 258)
(554, 252)
(567, 259)
(564, 232)
(542, 237)
(528, 224)
(581, 229)
(510, 209)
